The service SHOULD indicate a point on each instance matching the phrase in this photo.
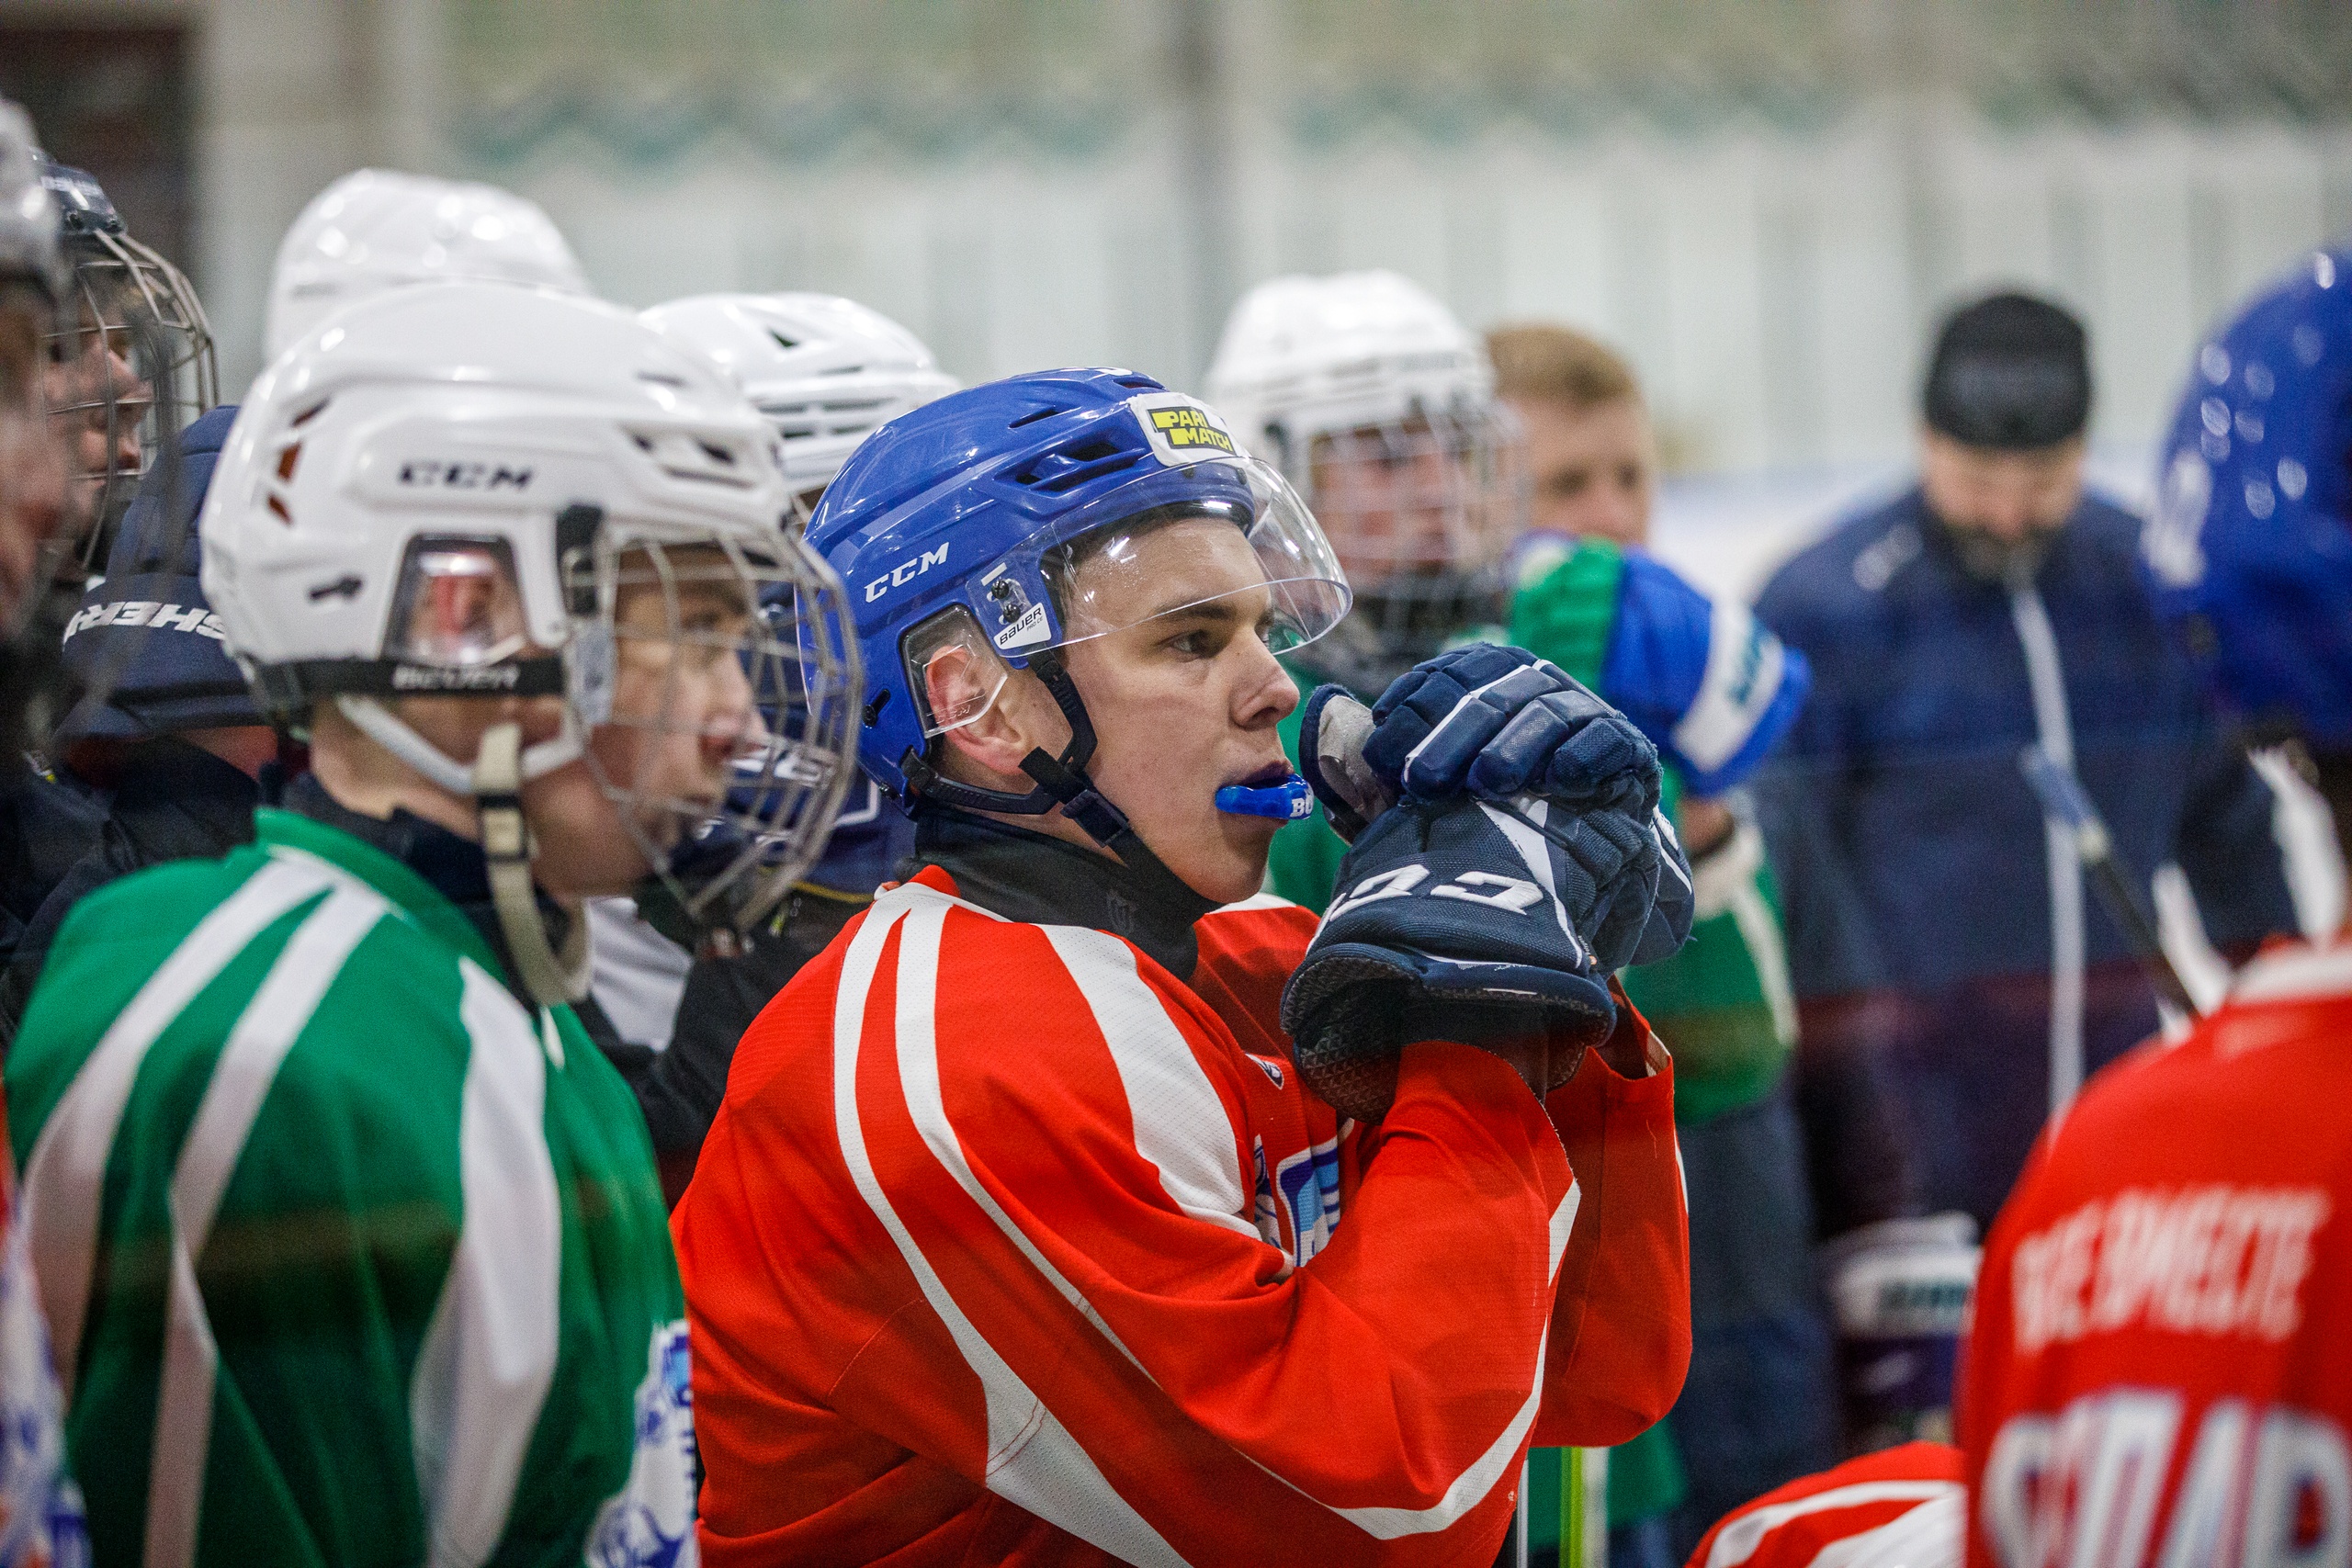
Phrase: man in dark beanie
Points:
(1956, 978)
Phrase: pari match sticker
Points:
(1181, 431)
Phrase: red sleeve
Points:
(1065, 1182)
(1907, 1499)
(1621, 1322)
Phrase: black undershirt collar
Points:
(1044, 881)
(455, 866)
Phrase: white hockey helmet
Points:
(1380, 408)
(527, 457)
(828, 372)
(1303, 356)
(380, 229)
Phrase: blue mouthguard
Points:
(1286, 802)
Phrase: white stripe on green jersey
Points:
(369, 1261)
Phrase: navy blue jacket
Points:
(1913, 855)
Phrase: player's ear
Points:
(957, 679)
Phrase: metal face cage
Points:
(130, 364)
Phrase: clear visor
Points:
(1433, 495)
(1217, 551)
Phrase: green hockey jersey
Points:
(347, 1256)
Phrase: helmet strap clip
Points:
(549, 976)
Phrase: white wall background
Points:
(1773, 283)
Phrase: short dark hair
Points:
(2009, 372)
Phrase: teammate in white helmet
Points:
(826, 372)
(350, 1242)
(381, 229)
(1376, 404)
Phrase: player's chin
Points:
(1236, 867)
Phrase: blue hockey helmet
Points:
(2249, 549)
(960, 526)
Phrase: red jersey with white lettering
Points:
(1902, 1507)
(1008, 1247)
(2161, 1366)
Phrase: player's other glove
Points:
(1713, 690)
(1514, 731)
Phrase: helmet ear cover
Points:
(1061, 780)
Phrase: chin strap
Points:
(496, 785)
(1061, 780)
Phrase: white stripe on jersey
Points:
(1471, 1487)
(1927, 1536)
(1032, 1461)
(1943, 1499)
(488, 1355)
(1733, 696)
(280, 1009)
(1180, 1125)
(917, 1004)
(1256, 901)
(65, 1178)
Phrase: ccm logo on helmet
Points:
(905, 571)
(434, 678)
(445, 473)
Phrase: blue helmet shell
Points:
(2249, 550)
(961, 500)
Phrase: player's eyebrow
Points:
(1220, 610)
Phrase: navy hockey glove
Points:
(1464, 920)
(1517, 732)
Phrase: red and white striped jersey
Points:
(1902, 1507)
(2161, 1366)
(1008, 1247)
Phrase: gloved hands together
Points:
(1508, 856)
(1500, 726)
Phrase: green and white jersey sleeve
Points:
(346, 1255)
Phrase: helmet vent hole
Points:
(1034, 415)
(1140, 383)
(278, 507)
(781, 341)
(308, 414)
(716, 454)
(286, 459)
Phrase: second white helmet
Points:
(826, 371)
(1305, 357)
(1380, 408)
(379, 229)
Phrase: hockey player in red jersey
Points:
(1019, 1238)
(1901, 1507)
(2161, 1366)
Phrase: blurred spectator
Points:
(1953, 983)
(1759, 1408)
(1590, 449)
